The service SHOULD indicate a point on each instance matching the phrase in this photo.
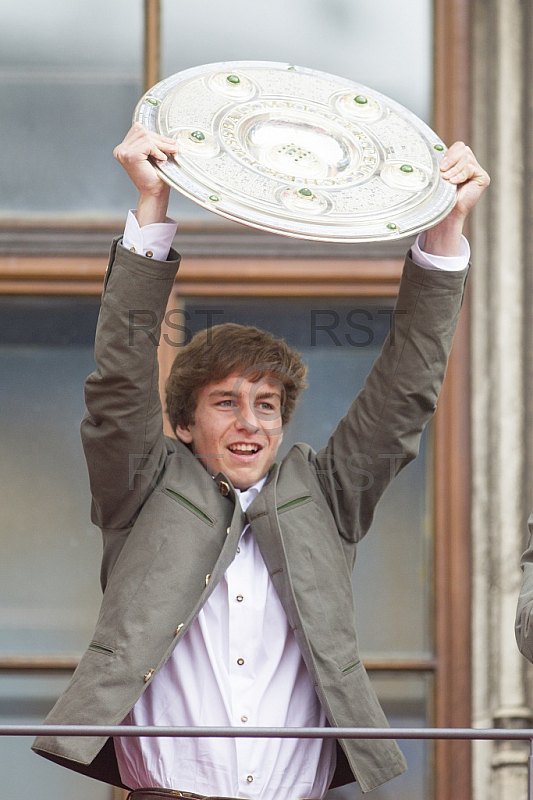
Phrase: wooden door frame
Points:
(452, 470)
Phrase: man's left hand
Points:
(461, 168)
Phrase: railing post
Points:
(530, 772)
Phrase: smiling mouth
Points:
(242, 449)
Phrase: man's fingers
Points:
(140, 151)
(461, 172)
(460, 166)
(138, 132)
(135, 153)
(457, 160)
(139, 144)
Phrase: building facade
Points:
(446, 656)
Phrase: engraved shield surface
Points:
(298, 152)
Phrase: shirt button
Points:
(240, 598)
(228, 531)
(207, 579)
(250, 779)
(244, 718)
(238, 549)
(148, 675)
(240, 661)
(178, 629)
(149, 254)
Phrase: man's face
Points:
(237, 428)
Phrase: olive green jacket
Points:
(170, 531)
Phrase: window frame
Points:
(265, 277)
(67, 259)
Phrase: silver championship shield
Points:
(298, 152)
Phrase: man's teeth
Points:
(243, 448)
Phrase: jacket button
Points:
(224, 488)
(228, 530)
(149, 254)
(207, 579)
(148, 675)
(178, 629)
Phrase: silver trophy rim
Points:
(145, 112)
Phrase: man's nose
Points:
(245, 418)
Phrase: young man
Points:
(227, 590)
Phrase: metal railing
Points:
(472, 734)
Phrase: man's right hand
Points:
(134, 152)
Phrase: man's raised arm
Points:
(122, 430)
(381, 432)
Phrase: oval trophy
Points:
(298, 152)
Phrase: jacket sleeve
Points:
(122, 431)
(524, 611)
(381, 431)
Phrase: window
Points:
(71, 78)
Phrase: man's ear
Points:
(184, 433)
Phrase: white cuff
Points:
(449, 263)
(153, 241)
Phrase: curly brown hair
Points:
(222, 350)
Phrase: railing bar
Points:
(270, 733)
(44, 664)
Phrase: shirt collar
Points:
(247, 496)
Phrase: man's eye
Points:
(225, 403)
(267, 406)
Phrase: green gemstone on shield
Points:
(198, 136)
(438, 147)
(152, 101)
(233, 79)
(214, 198)
(392, 226)
(361, 99)
(406, 168)
(305, 192)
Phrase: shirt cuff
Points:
(152, 241)
(449, 263)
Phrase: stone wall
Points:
(501, 295)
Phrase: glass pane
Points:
(340, 341)
(46, 351)
(364, 41)
(405, 702)
(49, 593)
(26, 700)
(70, 79)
